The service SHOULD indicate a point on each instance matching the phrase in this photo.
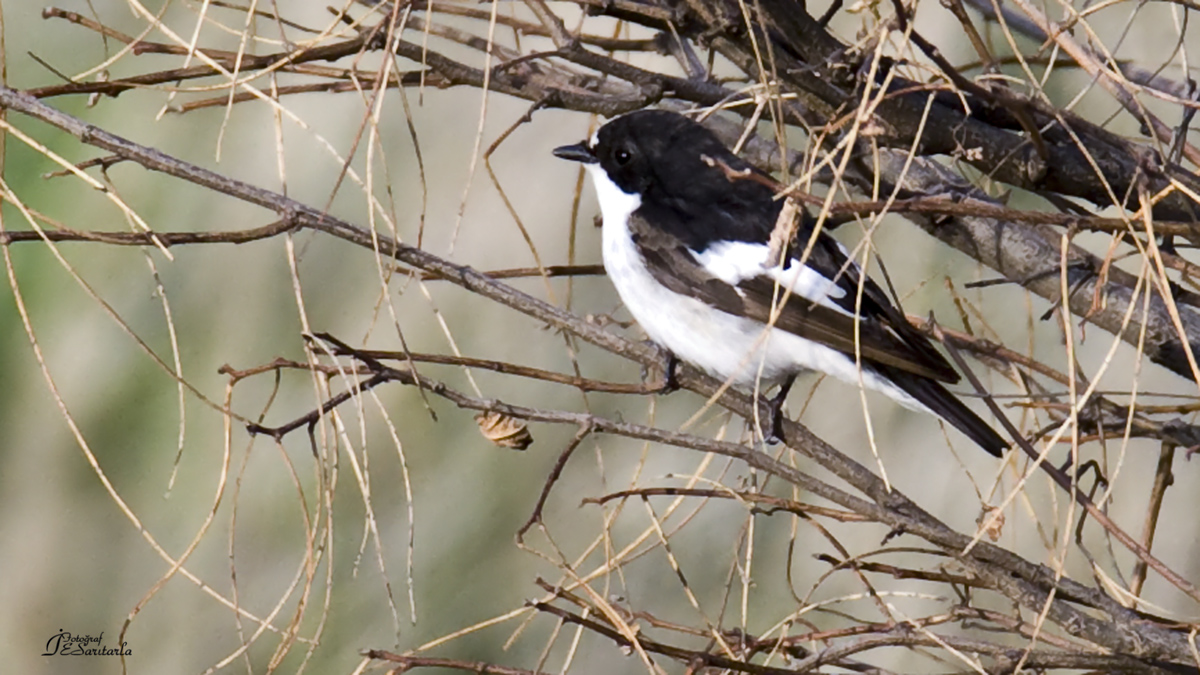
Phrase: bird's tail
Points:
(941, 402)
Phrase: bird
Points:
(686, 241)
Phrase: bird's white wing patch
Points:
(733, 261)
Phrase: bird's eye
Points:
(622, 156)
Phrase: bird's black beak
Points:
(580, 152)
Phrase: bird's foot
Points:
(775, 411)
(668, 380)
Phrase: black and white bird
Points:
(687, 245)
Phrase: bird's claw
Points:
(668, 380)
(775, 410)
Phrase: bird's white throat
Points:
(615, 204)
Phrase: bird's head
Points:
(655, 151)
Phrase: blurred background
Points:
(112, 467)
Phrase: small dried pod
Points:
(503, 430)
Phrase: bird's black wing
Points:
(878, 341)
(828, 258)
